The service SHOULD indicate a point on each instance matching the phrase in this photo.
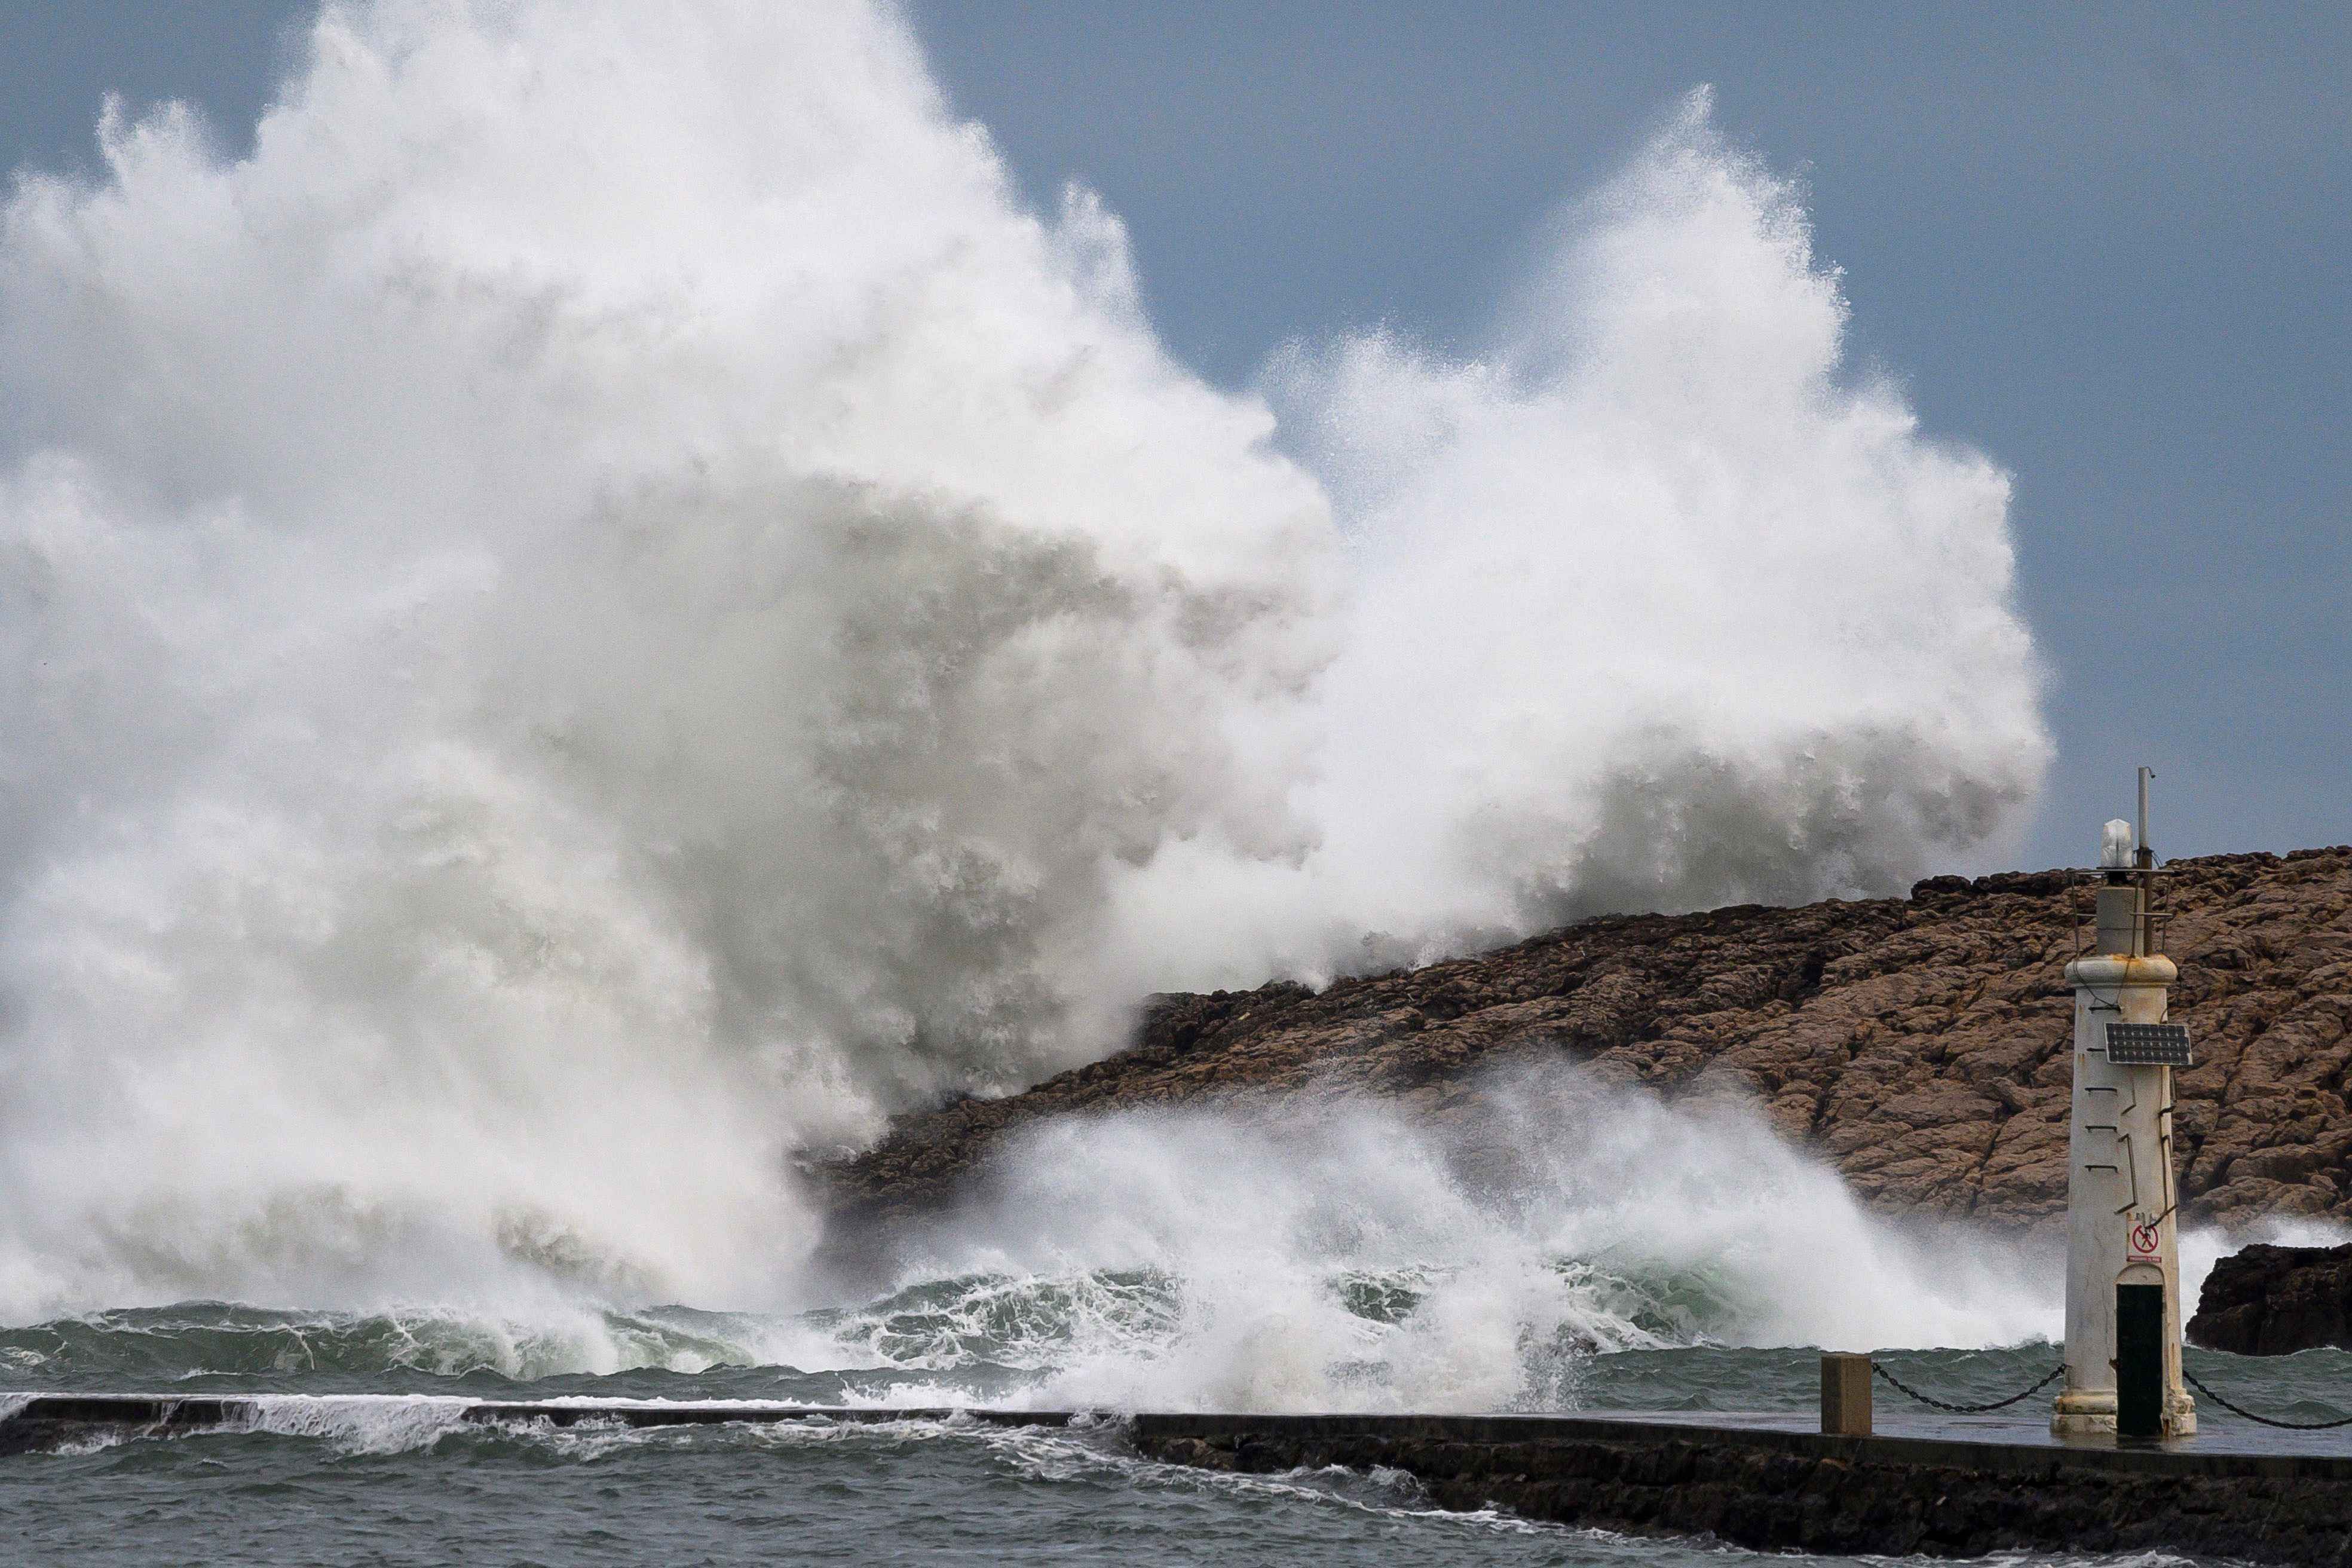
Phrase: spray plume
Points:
(611, 605)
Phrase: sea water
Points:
(359, 1454)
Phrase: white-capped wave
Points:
(1344, 1256)
(360, 1424)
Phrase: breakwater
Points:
(48, 1421)
(1767, 1487)
(1777, 1489)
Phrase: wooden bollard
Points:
(1845, 1394)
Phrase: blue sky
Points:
(2111, 246)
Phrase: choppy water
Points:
(363, 1461)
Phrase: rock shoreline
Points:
(1919, 1046)
(2276, 1300)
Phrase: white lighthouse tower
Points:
(2123, 1261)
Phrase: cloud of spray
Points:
(611, 605)
(1654, 604)
(1328, 1255)
(596, 611)
(1344, 1256)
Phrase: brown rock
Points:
(1920, 1046)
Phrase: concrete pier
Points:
(1779, 1489)
(1951, 1489)
(47, 1421)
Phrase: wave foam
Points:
(1345, 1256)
(1264, 1258)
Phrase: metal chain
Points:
(2191, 1378)
(2260, 1420)
(1931, 1401)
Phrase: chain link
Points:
(2260, 1420)
(1934, 1404)
(1930, 1400)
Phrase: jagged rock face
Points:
(2274, 1301)
(1921, 1045)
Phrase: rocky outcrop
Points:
(2274, 1301)
(1919, 1044)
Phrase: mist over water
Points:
(1263, 1256)
(1341, 1255)
(612, 606)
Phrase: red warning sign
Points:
(2144, 1237)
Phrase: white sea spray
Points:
(610, 606)
(1341, 1255)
